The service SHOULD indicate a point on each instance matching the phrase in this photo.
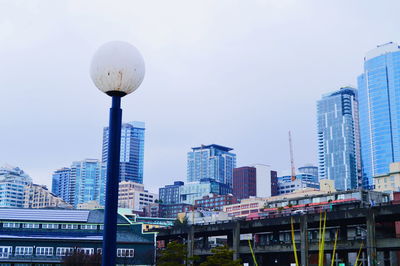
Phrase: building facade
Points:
(289, 186)
(196, 190)
(389, 182)
(37, 196)
(172, 210)
(379, 90)
(254, 181)
(132, 151)
(309, 169)
(213, 162)
(215, 202)
(12, 186)
(46, 236)
(338, 138)
(132, 195)
(63, 184)
(170, 193)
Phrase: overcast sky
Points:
(234, 73)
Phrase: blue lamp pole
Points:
(117, 69)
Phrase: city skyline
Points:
(59, 116)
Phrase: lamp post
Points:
(117, 69)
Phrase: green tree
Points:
(181, 224)
(222, 256)
(174, 254)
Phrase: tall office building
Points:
(12, 185)
(132, 151)
(338, 138)
(80, 183)
(169, 194)
(213, 162)
(379, 97)
(63, 184)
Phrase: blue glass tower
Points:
(86, 174)
(212, 162)
(132, 151)
(338, 138)
(63, 184)
(379, 98)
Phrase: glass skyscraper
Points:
(379, 97)
(338, 138)
(212, 162)
(12, 186)
(132, 151)
(80, 183)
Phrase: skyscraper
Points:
(132, 151)
(338, 138)
(379, 97)
(12, 185)
(213, 162)
(80, 183)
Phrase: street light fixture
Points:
(117, 69)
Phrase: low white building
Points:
(132, 195)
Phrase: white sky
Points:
(234, 73)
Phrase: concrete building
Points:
(46, 236)
(287, 185)
(245, 207)
(132, 151)
(254, 181)
(170, 193)
(214, 162)
(37, 197)
(389, 182)
(215, 202)
(338, 138)
(309, 169)
(90, 205)
(172, 210)
(132, 195)
(12, 186)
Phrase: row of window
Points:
(52, 226)
(6, 251)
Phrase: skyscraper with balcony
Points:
(12, 186)
(132, 151)
(214, 162)
(338, 138)
(379, 97)
(63, 184)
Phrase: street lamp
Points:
(117, 69)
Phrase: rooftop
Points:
(215, 146)
(382, 49)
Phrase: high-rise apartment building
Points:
(379, 97)
(213, 162)
(338, 138)
(170, 193)
(38, 197)
(132, 151)
(192, 191)
(12, 186)
(132, 195)
(63, 184)
(80, 183)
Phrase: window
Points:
(89, 226)
(23, 251)
(49, 226)
(64, 251)
(125, 252)
(87, 251)
(44, 251)
(11, 225)
(5, 251)
(69, 226)
(30, 225)
(99, 251)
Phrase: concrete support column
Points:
(190, 241)
(304, 240)
(236, 239)
(205, 242)
(371, 238)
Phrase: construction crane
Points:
(293, 169)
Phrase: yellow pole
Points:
(252, 254)
(359, 252)
(334, 247)
(322, 243)
(294, 244)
